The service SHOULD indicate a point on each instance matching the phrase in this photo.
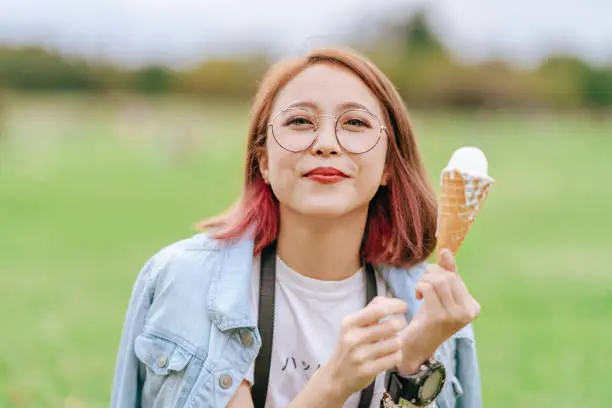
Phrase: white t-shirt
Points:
(308, 314)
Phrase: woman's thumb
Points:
(446, 260)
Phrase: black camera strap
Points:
(267, 287)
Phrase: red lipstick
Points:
(326, 175)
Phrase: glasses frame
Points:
(383, 128)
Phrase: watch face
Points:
(432, 385)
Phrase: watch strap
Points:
(406, 390)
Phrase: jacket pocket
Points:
(447, 354)
(161, 356)
(163, 368)
(462, 388)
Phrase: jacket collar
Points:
(403, 284)
(229, 295)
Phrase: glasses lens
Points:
(358, 130)
(295, 129)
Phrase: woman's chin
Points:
(324, 208)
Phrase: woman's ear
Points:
(385, 177)
(263, 168)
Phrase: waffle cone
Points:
(461, 198)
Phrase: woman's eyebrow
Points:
(303, 104)
(352, 105)
(343, 106)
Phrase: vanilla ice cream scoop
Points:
(465, 185)
(470, 160)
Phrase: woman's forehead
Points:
(327, 89)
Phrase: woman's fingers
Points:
(383, 329)
(378, 309)
(420, 289)
(373, 351)
(446, 287)
(457, 303)
(446, 260)
(470, 304)
(385, 363)
(428, 293)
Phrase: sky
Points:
(184, 31)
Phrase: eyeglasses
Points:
(296, 129)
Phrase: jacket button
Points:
(246, 338)
(225, 381)
(162, 361)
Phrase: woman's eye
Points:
(356, 123)
(300, 121)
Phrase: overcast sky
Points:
(179, 31)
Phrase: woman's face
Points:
(325, 178)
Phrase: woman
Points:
(334, 184)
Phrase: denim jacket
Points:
(190, 333)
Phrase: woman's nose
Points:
(326, 143)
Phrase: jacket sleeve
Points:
(467, 371)
(126, 382)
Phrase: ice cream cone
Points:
(461, 198)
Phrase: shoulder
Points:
(182, 259)
(178, 278)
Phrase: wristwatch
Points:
(419, 389)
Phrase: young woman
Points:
(275, 301)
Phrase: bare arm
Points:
(242, 398)
(317, 393)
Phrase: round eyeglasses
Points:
(296, 129)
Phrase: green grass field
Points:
(90, 188)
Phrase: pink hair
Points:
(258, 209)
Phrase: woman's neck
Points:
(325, 249)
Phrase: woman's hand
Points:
(366, 347)
(447, 308)
(242, 398)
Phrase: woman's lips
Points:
(326, 175)
(323, 179)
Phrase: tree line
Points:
(426, 75)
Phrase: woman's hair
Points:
(401, 222)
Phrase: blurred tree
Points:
(561, 80)
(3, 105)
(34, 68)
(231, 77)
(419, 36)
(411, 54)
(110, 78)
(572, 83)
(154, 79)
(472, 87)
(597, 88)
(407, 50)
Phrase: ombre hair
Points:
(401, 223)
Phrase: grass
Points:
(92, 187)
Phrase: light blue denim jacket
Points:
(190, 333)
